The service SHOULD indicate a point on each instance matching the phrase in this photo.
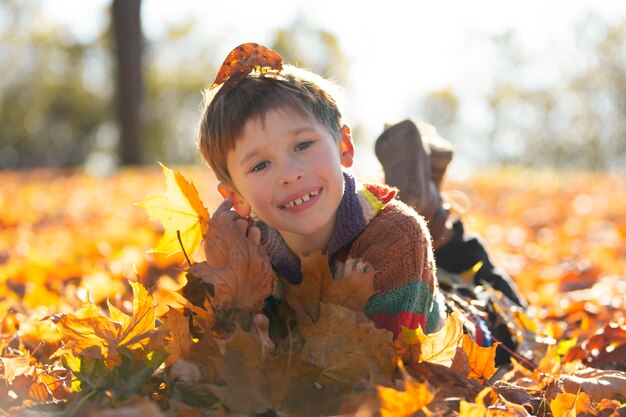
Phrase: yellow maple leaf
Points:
(481, 360)
(394, 403)
(90, 333)
(181, 213)
(439, 347)
(87, 332)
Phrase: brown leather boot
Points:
(441, 151)
(406, 161)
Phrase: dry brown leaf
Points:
(481, 360)
(182, 341)
(238, 269)
(318, 285)
(251, 381)
(242, 366)
(304, 298)
(597, 383)
(15, 366)
(352, 291)
(344, 348)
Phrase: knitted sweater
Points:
(376, 232)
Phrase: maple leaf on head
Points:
(181, 213)
(241, 61)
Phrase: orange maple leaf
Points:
(481, 360)
(569, 405)
(181, 213)
(182, 340)
(241, 61)
(239, 270)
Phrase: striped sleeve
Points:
(397, 245)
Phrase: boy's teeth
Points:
(301, 200)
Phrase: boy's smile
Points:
(299, 201)
(288, 169)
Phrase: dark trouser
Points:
(462, 252)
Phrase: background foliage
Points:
(57, 96)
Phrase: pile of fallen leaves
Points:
(91, 324)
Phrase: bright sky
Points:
(435, 44)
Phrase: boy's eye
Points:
(303, 145)
(260, 166)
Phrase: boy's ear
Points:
(346, 147)
(239, 204)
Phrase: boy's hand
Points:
(223, 214)
(261, 327)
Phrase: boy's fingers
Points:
(227, 217)
(262, 324)
(242, 225)
(254, 234)
(226, 205)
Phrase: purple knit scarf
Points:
(349, 224)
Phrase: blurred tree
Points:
(126, 19)
(177, 68)
(54, 95)
(57, 93)
(578, 122)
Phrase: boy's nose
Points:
(291, 174)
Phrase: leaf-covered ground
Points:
(78, 334)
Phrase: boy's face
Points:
(287, 169)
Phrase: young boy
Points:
(278, 145)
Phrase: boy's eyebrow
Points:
(248, 156)
(302, 129)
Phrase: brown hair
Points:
(224, 116)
